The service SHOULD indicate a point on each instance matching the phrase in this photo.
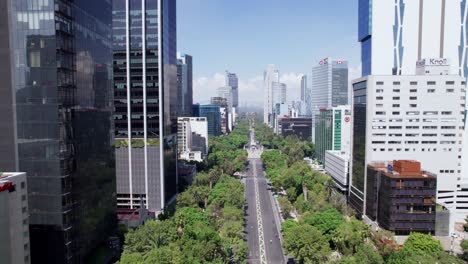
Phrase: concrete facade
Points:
(14, 219)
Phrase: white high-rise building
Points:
(227, 92)
(394, 34)
(414, 117)
(270, 76)
(279, 93)
(192, 138)
(14, 219)
(329, 86)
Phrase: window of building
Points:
(450, 90)
(413, 98)
(431, 90)
(413, 83)
(412, 113)
(379, 98)
(413, 90)
(449, 82)
(430, 112)
(431, 83)
(380, 113)
(396, 83)
(396, 98)
(395, 105)
(396, 90)
(379, 91)
(413, 105)
(379, 83)
(395, 113)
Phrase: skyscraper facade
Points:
(303, 87)
(145, 88)
(212, 113)
(396, 34)
(184, 84)
(233, 82)
(269, 76)
(414, 117)
(57, 95)
(228, 93)
(329, 86)
(279, 93)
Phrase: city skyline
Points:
(294, 58)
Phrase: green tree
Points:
(288, 224)
(349, 235)
(307, 244)
(327, 221)
(153, 234)
(422, 244)
(286, 207)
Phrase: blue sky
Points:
(243, 36)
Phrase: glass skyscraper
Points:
(212, 113)
(233, 82)
(57, 95)
(329, 86)
(145, 89)
(184, 85)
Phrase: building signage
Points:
(433, 62)
(324, 61)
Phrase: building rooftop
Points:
(409, 169)
(5, 183)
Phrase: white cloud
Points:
(205, 87)
(293, 85)
(250, 89)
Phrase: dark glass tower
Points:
(56, 90)
(145, 89)
(185, 85)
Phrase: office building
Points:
(299, 127)
(226, 92)
(280, 111)
(184, 84)
(233, 82)
(303, 87)
(270, 76)
(192, 138)
(212, 113)
(56, 112)
(14, 219)
(278, 92)
(337, 166)
(401, 197)
(414, 117)
(306, 92)
(329, 86)
(332, 130)
(396, 34)
(145, 90)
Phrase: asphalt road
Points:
(262, 231)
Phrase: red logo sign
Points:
(347, 119)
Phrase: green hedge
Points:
(136, 143)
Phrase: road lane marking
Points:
(261, 237)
